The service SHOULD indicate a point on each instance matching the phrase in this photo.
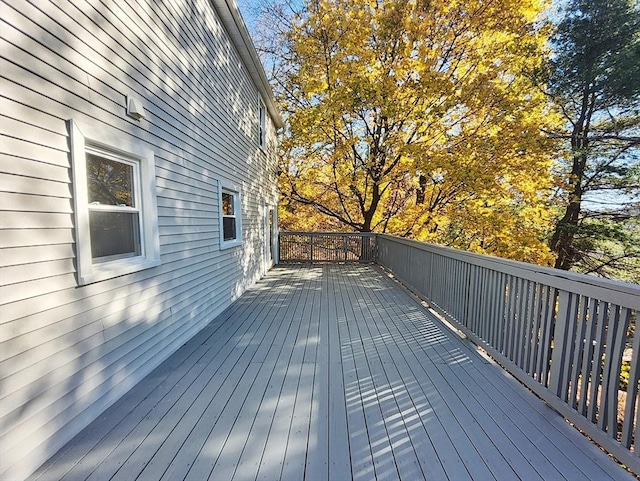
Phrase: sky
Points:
(248, 9)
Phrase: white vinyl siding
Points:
(69, 351)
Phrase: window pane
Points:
(109, 182)
(227, 204)
(229, 228)
(114, 233)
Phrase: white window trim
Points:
(224, 186)
(83, 136)
(262, 124)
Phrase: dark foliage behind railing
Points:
(326, 247)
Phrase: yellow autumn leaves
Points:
(417, 118)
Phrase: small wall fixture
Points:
(135, 108)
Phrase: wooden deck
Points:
(329, 373)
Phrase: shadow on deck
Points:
(329, 373)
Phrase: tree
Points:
(594, 80)
(416, 118)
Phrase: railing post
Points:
(364, 248)
(344, 247)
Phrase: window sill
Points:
(114, 269)
(230, 244)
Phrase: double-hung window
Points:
(115, 205)
(230, 215)
(229, 221)
(113, 186)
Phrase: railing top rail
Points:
(621, 293)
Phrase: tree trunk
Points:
(421, 190)
(368, 214)
(563, 239)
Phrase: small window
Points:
(230, 216)
(115, 206)
(262, 112)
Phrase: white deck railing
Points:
(568, 337)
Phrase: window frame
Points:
(136, 193)
(86, 139)
(262, 124)
(229, 188)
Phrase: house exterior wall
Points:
(68, 351)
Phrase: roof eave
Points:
(233, 22)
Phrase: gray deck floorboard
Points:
(328, 373)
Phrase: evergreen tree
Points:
(595, 81)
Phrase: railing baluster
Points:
(486, 303)
(587, 355)
(596, 367)
(636, 431)
(535, 329)
(472, 303)
(569, 346)
(631, 404)
(578, 349)
(496, 302)
(527, 322)
(512, 316)
(519, 322)
(558, 353)
(605, 399)
(613, 373)
(550, 315)
(502, 305)
(311, 247)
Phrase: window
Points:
(115, 205)
(262, 113)
(114, 216)
(230, 216)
